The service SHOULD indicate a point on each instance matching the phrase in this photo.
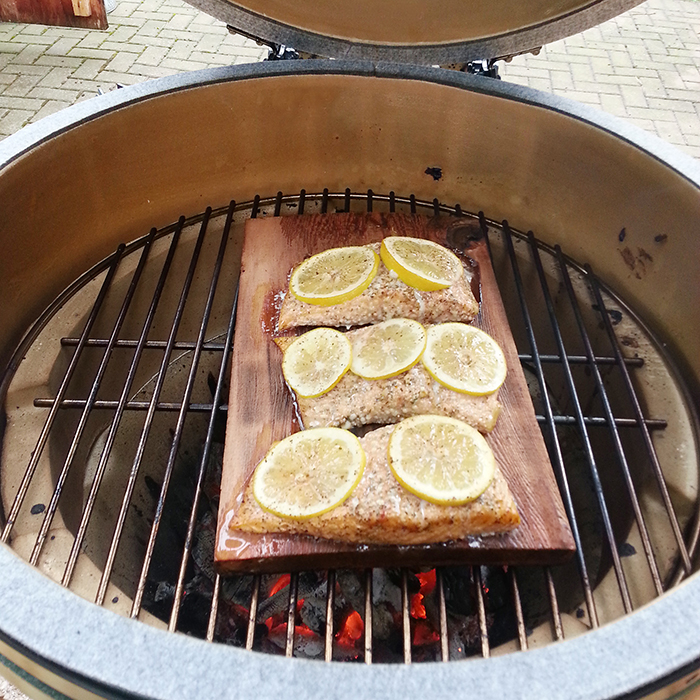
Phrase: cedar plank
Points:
(261, 409)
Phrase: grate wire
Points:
(551, 421)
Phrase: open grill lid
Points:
(413, 31)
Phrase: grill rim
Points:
(505, 43)
(73, 639)
(34, 135)
(618, 660)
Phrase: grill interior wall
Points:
(527, 608)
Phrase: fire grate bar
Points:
(638, 411)
(219, 390)
(560, 469)
(219, 347)
(43, 437)
(444, 633)
(651, 423)
(611, 423)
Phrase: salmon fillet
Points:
(381, 511)
(355, 401)
(386, 297)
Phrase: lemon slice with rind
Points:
(316, 361)
(309, 473)
(424, 265)
(464, 358)
(334, 276)
(441, 460)
(387, 348)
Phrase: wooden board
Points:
(261, 409)
(88, 14)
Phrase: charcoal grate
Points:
(133, 421)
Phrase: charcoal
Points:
(313, 611)
(308, 582)
(352, 588)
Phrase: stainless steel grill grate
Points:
(115, 404)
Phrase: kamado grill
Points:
(122, 231)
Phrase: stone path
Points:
(643, 66)
(44, 69)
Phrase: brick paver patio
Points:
(643, 66)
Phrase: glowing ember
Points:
(353, 628)
(417, 607)
(427, 582)
(281, 582)
(424, 634)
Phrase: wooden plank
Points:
(88, 14)
(261, 409)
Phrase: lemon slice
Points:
(388, 348)
(316, 361)
(421, 264)
(309, 473)
(441, 460)
(334, 276)
(464, 358)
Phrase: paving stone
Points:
(122, 62)
(21, 85)
(153, 55)
(688, 123)
(93, 40)
(123, 33)
(29, 54)
(78, 52)
(599, 86)
(145, 71)
(178, 66)
(34, 69)
(61, 61)
(62, 46)
(111, 78)
(613, 104)
(90, 86)
(21, 104)
(670, 106)
(50, 107)
(14, 120)
(633, 96)
(671, 132)
(56, 77)
(43, 93)
(181, 50)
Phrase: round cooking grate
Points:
(115, 414)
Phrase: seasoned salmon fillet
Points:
(355, 401)
(381, 511)
(386, 297)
